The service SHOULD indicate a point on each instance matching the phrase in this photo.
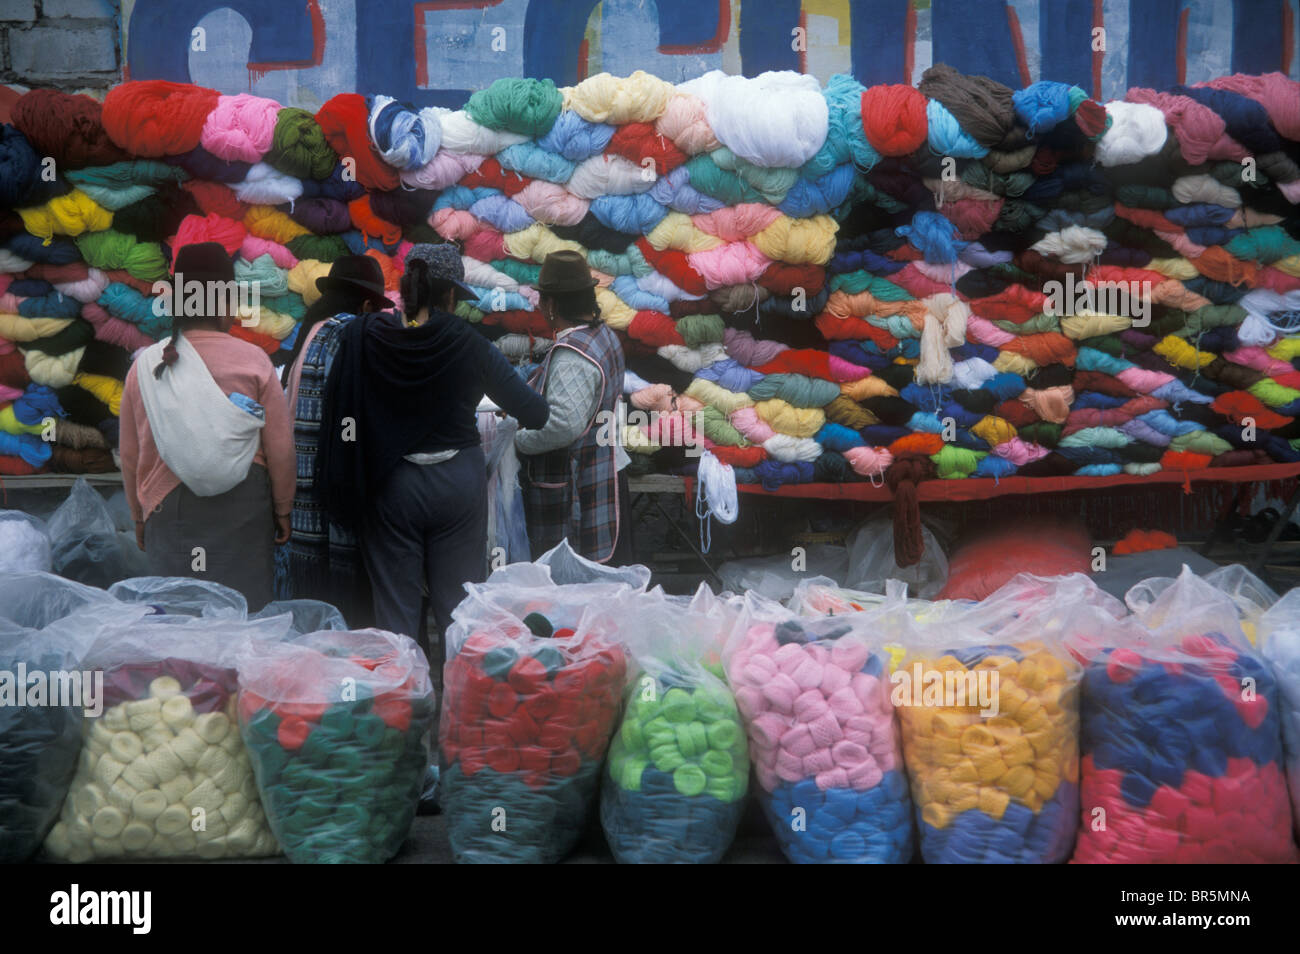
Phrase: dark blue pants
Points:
(426, 528)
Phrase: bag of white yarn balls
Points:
(163, 772)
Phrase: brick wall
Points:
(69, 44)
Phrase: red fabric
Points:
(13, 370)
(750, 456)
(1102, 384)
(674, 265)
(1048, 347)
(216, 199)
(639, 141)
(782, 279)
(16, 467)
(692, 306)
(654, 328)
(57, 274)
(805, 361)
(345, 121)
(67, 127)
(1184, 461)
(984, 488)
(154, 118)
(364, 218)
(490, 175)
(985, 562)
(1239, 405)
(1140, 541)
(126, 278)
(1016, 412)
(265, 342)
(226, 232)
(519, 323)
(1014, 303)
(1090, 117)
(893, 117)
(1146, 218)
(834, 328)
(919, 443)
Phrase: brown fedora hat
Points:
(564, 272)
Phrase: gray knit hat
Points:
(444, 265)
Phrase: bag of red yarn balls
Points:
(526, 720)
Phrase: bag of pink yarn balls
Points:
(823, 739)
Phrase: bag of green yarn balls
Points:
(338, 728)
(678, 771)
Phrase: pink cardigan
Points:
(236, 366)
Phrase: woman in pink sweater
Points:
(207, 441)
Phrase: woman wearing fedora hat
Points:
(324, 559)
(354, 286)
(400, 460)
(565, 461)
(207, 444)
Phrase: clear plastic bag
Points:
(182, 596)
(1279, 641)
(567, 567)
(309, 616)
(1251, 595)
(24, 544)
(1182, 749)
(338, 725)
(531, 694)
(674, 788)
(83, 539)
(775, 578)
(990, 724)
(34, 600)
(822, 735)
(163, 772)
(39, 743)
(872, 563)
(822, 596)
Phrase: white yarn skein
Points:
(1258, 328)
(715, 496)
(405, 150)
(264, 185)
(461, 134)
(776, 119)
(1137, 130)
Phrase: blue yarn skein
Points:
(575, 138)
(1042, 105)
(946, 137)
(636, 214)
(933, 236)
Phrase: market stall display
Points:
(886, 283)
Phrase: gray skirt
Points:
(235, 531)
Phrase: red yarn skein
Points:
(893, 117)
(67, 127)
(344, 119)
(154, 118)
(637, 141)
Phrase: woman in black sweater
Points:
(400, 461)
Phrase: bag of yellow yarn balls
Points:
(990, 740)
(163, 771)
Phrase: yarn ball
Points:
(299, 147)
(152, 118)
(67, 127)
